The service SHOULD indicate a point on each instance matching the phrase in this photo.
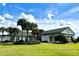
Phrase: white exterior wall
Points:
(0, 38)
(45, 38)
(23, 38)
(5, 38)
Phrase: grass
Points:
(40, 50)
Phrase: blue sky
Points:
(46, 15)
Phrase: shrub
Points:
(61, 39)
(28, 43)
(74, 41)
(45, 41)
(18, 42)
(33, 42)
(21, 40)
(77, 39)
(6, 41)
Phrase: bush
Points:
(28, 43)
(6, 41)
(77, 39)
(74, 41)
(61, 39)
(18, 42)
(45, 41)
(21, 40)
(33, 42)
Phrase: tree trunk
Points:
(22, 35)
(10, 37)
(27, 35)
(2, 37)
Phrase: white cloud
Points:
(3, 4)
(23, 15)
(28, 17)
(50, 15)
(31, 18)
(2, 20)
(31, 10)
(25, 10)
(47, 20)
(8, 16)
(72, 11)
(6, 23)
(22, 9)
(11, 23)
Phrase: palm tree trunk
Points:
(22, 35)
(10, 37)
(2, 37)
(27, 35)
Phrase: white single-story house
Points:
(49, 35)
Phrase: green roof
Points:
(55, 31)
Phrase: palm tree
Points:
(15, 33)
(37, 33)
(33, 26)
(24, 25)
(40, 34)
(12, 32)
(27, 25)
(2, 29)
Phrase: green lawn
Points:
(40, 50)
